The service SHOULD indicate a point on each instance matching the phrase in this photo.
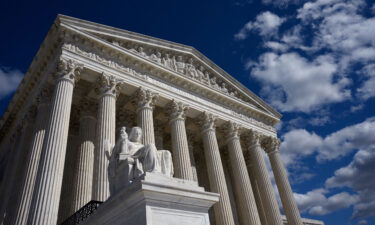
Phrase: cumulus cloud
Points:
(281, 3)
(293, 83)
(341, 38)
(300, 143)
(266, 24)
(276, 46)
(359, 175)
(9, 80)
(316, 203)
(340, 28)
(367, 89)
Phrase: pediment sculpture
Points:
(130, 160)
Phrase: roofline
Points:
(61, 18)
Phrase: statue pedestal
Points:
(156, 200)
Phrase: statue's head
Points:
(123, 134)
(136, 134)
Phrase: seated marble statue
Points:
(130, 159)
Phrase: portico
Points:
(104, 78)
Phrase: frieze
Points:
(183, 65)
(132, 70)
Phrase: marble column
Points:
(82, 191)
(180, 148)
(159, 134)
(267, 193)
(19, 165)
(254, 185)
(191, 143)
(13, 158)
(66, 196)
(108, 90)
(32, 164)
(271, 146)
(45, 203)
(243, 190)
(222, 209)
(145, 106)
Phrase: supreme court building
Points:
(87, 81)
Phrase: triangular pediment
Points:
(183, 60)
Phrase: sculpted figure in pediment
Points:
(206, 78)
(180, 65)
(190, 69)
(130, 159)
(141, 52)
(214, 83)
(168, 62)
(224, 87)
(134, 49)
(200, 73)
(156, 57)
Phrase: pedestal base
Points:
(156, 200)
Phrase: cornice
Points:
(146, 75)
(40, 65)
(99, 29)
(117, 53)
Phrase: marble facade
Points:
(89, 80)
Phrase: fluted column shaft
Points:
(13, 159)
(85, 162)
(146, 102)
(20, 168)
(66, 197)
(243, 190)
(105, 135)
(27, 189)
(46, 197)
(222, 209)
(190, 138)
(254, 185)
(267, 193)
(180, 148)
(282, 183)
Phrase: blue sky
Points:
(314, 61)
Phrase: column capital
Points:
(207, 121)
(107, 85)
(176, 110)
(68, 70)
(270, 144)
(146, 98)
(231, 130)
(253, 138)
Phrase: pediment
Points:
(180, 59)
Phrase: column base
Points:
(157, 200)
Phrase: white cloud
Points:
(9, 80)
(344, 141)
(281, 3)
(339, 27)
(266, 24)
(276, 46)
(359, 175)
(316, 203)
(367, 89)
(293, 83)
(299, 143)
